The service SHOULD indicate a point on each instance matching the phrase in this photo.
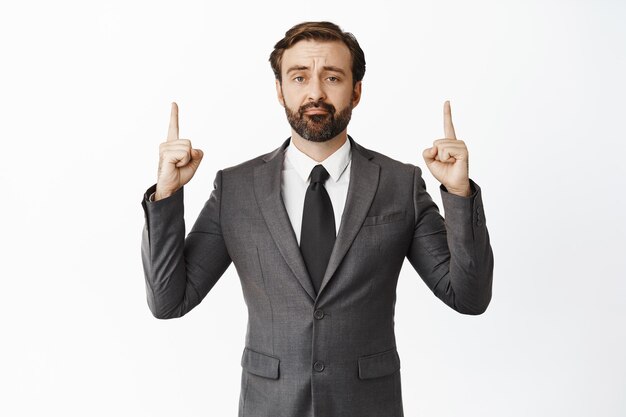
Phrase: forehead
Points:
(312, 52)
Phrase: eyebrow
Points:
(326, 68)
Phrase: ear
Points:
(279, 93)
(356, 94)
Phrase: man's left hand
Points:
(448, 160)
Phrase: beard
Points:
(319, 127)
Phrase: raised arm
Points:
(453, 256)
(179, 271)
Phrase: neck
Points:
(319, 150)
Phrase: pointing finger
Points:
(448, 128)
(172, 133)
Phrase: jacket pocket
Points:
(259, 363)
(379, 364)
(384, 218)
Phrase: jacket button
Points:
(318, 314)
(318, 366)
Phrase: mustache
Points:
(324, 106)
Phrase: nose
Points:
(316, 90)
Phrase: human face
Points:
(316, 89)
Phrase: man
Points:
(318, 230)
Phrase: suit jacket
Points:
(330, 354)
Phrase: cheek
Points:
(290, 99)
(341, 99)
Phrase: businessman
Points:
(318, 230)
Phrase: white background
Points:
(537, 91)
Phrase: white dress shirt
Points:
(295, 179)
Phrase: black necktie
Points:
(318, 227)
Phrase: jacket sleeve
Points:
(179, 272)
(453, 257)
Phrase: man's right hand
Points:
(178, 161)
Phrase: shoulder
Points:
(247, 167)
(388, 166)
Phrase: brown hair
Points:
(324, 31)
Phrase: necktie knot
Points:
(319, 174)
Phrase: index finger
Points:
(448, 128)
(172, 133)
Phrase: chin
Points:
(317, 140)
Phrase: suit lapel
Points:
(361, 190)
(267, 189)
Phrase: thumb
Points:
(429, 154)
(197, 154)
(196, 157)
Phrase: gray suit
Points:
(331, 354)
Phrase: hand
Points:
(448, 158)
(178, 161)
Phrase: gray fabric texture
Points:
(334, 354)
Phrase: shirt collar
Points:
(335, 163)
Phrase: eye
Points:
(333, 79)
(299, 79)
